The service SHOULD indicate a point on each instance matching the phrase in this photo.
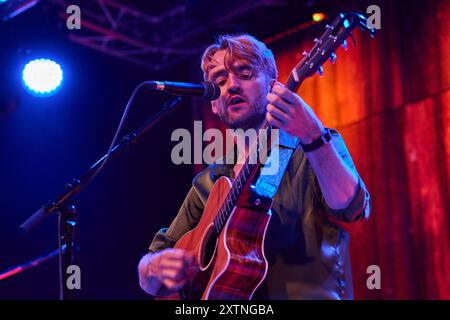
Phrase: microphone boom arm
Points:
(76, 185)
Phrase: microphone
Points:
(205, 90)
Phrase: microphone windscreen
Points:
(212, 91)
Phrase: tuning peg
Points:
(333, 57)
(320, 71)
(306, 54)
(318, 41)
(344, 45)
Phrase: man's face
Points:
(242, 102)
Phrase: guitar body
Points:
(232, 265)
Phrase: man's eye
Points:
(246, 74)
(220, 81)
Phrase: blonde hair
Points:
(243, 47)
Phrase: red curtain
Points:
(390, 99)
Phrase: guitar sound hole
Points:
(208, 250)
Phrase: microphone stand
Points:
(64, 204)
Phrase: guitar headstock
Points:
(335, 35)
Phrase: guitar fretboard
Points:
(233, 194)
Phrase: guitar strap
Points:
(282, 148)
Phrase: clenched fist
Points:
(166, 271)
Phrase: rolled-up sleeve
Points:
(356, 213)
(358, 210)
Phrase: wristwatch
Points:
(316, 144)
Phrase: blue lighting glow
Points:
(42, 77)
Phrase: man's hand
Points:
(287, 111)
(170, 267)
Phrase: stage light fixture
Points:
(42, 77)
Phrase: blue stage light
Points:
(42, 77)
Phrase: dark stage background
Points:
(389, 97)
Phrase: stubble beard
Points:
(251, 119)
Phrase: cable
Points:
(116, 136)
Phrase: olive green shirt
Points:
(306, 244)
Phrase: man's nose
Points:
(234, 84)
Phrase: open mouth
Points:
(236, 102)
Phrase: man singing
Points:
(320, 198)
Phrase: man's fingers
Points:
(173, 274)
(171, 264)
(274, 121)
(179, 254)
(279, 102)
(277, 113)
(175, 253)
(174, 284)
(284, 93)
(175, 266)
(174, 279)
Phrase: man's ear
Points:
(214, 107)
(271, 83)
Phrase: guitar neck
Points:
(251, 164)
